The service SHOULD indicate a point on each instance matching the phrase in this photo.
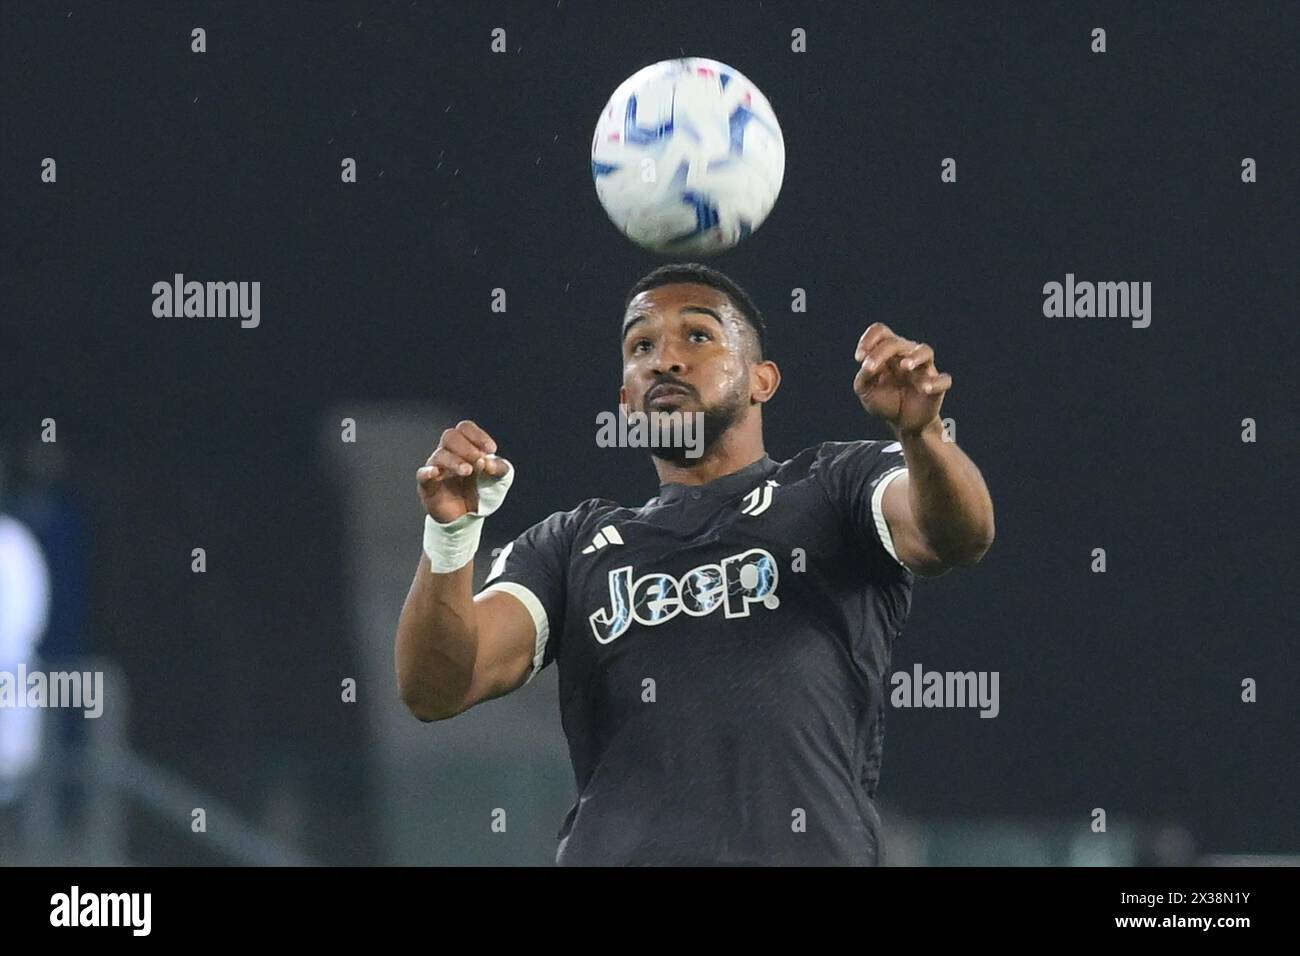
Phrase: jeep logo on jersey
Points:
(733, 584)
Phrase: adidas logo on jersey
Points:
(733, 584)
(605, 536)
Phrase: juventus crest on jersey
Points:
(758, 500)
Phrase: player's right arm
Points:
(453, 649)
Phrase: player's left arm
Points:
(940, 513)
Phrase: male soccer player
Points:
(723, 649)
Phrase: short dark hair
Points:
(696, 272)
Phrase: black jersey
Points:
(723, 653)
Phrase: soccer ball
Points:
(687, 157)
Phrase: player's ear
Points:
(764, 379)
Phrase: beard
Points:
(717, 419)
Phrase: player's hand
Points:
(449, 479)
(897, 380)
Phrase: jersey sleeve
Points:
(534, 569)
(855, 476)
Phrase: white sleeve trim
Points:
(541, 625)
(878, 511)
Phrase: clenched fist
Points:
(897, 380)
(449, 479)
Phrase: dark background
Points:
(1119, 690)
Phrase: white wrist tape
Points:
(453, 545)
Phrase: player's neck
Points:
(732, 452)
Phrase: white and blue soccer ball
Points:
(688, 157)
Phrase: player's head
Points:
(690, 326)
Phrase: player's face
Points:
(686, 349)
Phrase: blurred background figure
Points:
(24, 611)
(41, 498)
